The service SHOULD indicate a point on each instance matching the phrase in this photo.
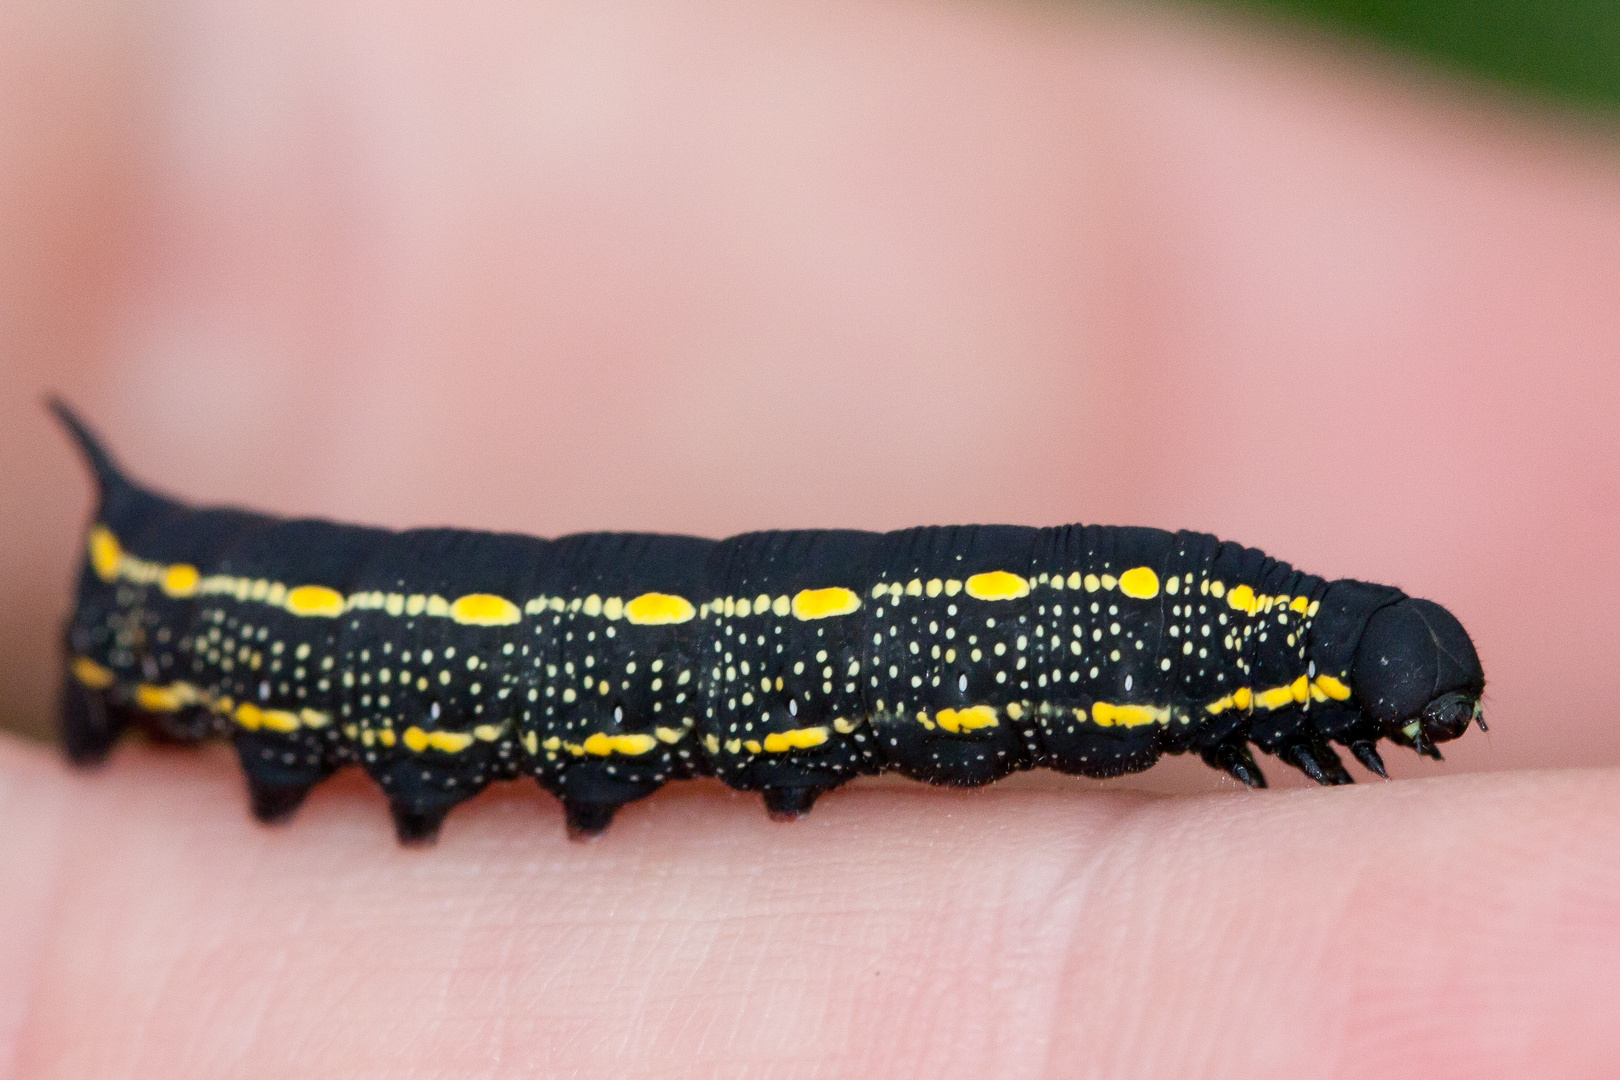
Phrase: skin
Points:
(709, 268)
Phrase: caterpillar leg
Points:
(588, 820)
(87, 726)
(280, 770)
(275, 804)
(1236, 761)
(592, 793)
(1318, 762)
(1366, 752)
(417, 823)
(791, 803)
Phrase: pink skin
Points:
(711, 267)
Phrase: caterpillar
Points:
(605, 665)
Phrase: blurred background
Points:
(1335, 279)
(1559, 50)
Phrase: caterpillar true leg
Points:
(1236, 760)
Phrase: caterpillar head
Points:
(1416, 674)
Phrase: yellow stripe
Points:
(1139, 583)
(315, 600)
(484, 609)
(450, 742)
(971, 718)
(824, 603)
(171, 698)
(602, 744)
(91, 674)
(1278, 696)
(1242, 598)
(797, 739)
(1332, 687)
(105, 553)
(997, 585)
(658, 609)
(1104, 714)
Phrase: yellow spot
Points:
(169, 698)
(602, 744)
(1332, 687)
(952, 587)
(105, 553)
(1015, 710)
(488, 732)
(180, 580)
(593, 605)
(824, 603)
(1139, 583)
(1242, 598)
(1105, 715)
(711, 744)
(843, 726)
(1109, 581)
(914, 587)
(485, 609)
(278, 720)
(1092, 582)
(553, 744)
(612, 607)
(934, 587)
(385, 736)
(1241, 698)
(733, 746)
(91, 674)
(743, 608)
(1172, 585)
(313, 718)
(1217, 589)
(1300, 604)
(669, 734)
(797, 739)
(449, 742)
(781, 606)
(1278, 696)
(753, 746)
(971, 718)
(531, 743)
(657, 609)
(997, 585)
(315, 600)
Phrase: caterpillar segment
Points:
(610, 700)
(605, 665)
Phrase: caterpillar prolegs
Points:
(606, 664)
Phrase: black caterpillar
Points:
(606, 664)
